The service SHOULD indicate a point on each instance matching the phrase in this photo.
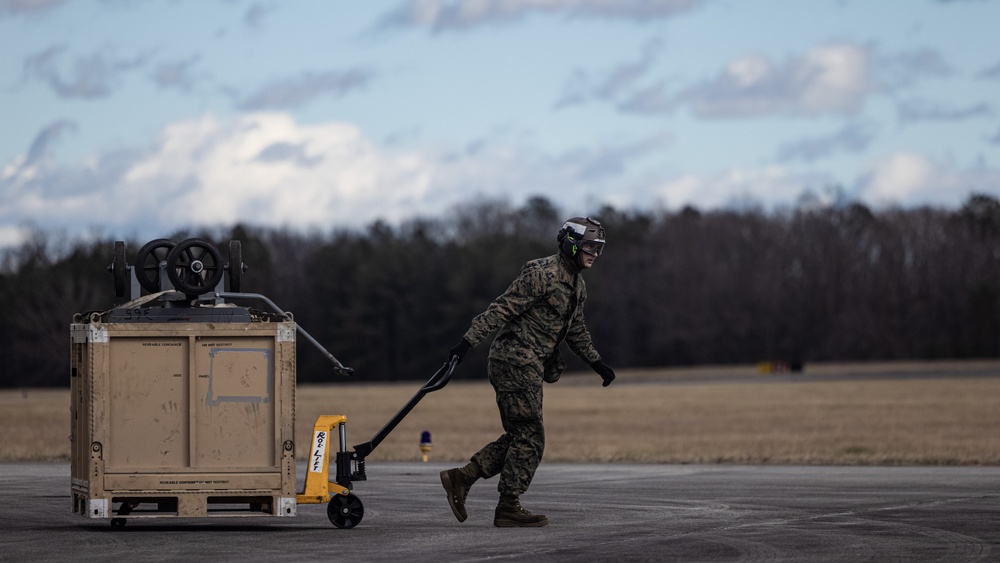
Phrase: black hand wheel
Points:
(345, 511)
(194, 266)
(147, 263)
(118, 268)
(235, 266)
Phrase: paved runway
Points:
(597, 513)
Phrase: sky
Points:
(133, 119)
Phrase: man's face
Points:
(589, 251)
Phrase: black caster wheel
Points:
(147, 263)
(195, 267)
(345, 512)
(118, 522)
(118, 268)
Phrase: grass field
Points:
(720, 415)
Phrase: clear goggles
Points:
(591, 247)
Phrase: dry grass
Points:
(946, 420)
(35, 424)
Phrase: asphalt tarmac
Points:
(597, 512)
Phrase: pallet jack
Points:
(344, 508)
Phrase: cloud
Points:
(896, 178)
(991, 73)
(830, 79)
(41, 146)
(261, 168)
(458, 15)
(833, 78)
(22, 7)
(32, 162)
(256, 13)
(36, 191)
(923, 110)
(288, 152)
(909, 178)
(652, 99)
(176, 74)
(770, 185)
(266, 169)
(853, 137)
(900, 179)
(611, 161)
(995, 139)
(297, 91)
(93, 76)
(901, 70)
(611, 84)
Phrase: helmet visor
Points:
(591, 247)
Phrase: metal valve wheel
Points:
(118, 268)
(194, 266)
(148, 260)
(345, 511)
(236, 267)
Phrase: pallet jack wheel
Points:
(194, 266)
(147, 262)
(118, 522)
(345, 511)
(119, 270)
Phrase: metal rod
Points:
(343, 436)
(298, 328)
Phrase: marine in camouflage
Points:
(542, 307)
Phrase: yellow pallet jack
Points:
(344, 508)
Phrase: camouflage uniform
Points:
(542, 307)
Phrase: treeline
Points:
(672, 288)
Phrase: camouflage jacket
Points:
(543, 306)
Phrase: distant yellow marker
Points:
(425, 444)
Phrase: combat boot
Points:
(457, 483)
(510, 514)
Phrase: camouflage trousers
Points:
(516, 454)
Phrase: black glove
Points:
(603, 370)
(460, 350)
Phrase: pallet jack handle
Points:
(339, 367)
(435, 383)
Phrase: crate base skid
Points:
(181, 504)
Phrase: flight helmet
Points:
(581, 234)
